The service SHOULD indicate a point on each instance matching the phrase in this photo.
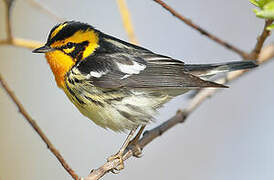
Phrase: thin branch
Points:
(10, 40)
(8, 26)
(45, 10)
(260, 42)
(127, 21)
(37, 129)
(8, 5)
(266, 54)
(24, 43)
(202, 31)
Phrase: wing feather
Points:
(144, 70)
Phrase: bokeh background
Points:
(229, 137)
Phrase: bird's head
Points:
(68, 43)
(75, 39)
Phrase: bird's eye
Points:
(69, 45)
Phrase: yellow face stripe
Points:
(69, 50)
(89, 35)
(59, 28)
(93, 44)
(60, 62)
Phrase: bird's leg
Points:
(120, 153)
(134, 142)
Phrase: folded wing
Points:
(140, 71)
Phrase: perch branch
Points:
(266, 54)
(243, 54)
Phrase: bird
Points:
(119, 85)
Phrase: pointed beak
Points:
(43, 49)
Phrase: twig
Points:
(266, 54)
(24, 43)
(8, 5)
(45, 10)
(202, 31)
(10, 40)
(38, 130)
(261, 39)
(127, 21)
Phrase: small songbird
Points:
(119, 85)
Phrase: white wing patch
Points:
(156, 58)
(96, 74)
(134, 68)
(125, 76)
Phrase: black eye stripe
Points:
(77, 52)
(71, 44)
(68, 46)
(84, 43)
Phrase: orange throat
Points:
(60, 64)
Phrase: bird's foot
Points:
(137, 150)
(118, 156)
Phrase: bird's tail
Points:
(208, 70)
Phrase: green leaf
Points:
(265, 14)
(260, 3)
(267, 9)
(269, 6)
(254, 2)
(270, 27)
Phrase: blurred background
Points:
(229, 137)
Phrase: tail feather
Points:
(207, 70)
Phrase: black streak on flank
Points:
(77, 80)
(94, 101)
(74, 95)
(109, 101)
(70, 81)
